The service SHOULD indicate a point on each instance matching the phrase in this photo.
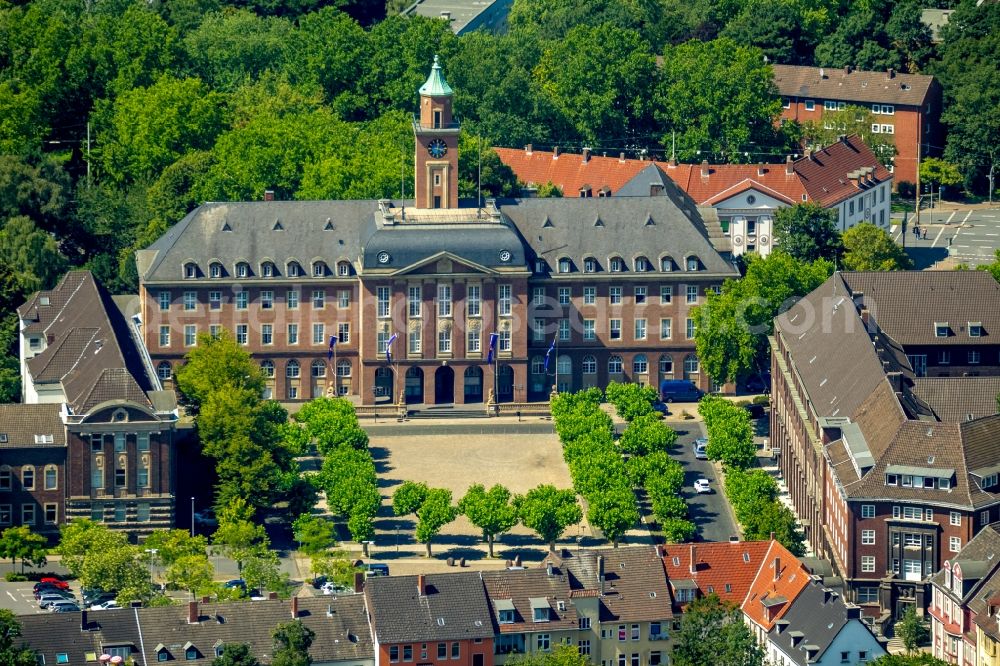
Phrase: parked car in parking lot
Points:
(49, 589)
(47, 600)
(91, 597)
(376, 569)
(64, 607)
(104, 605)
(661, 407)
(51, 582)
(334, 588)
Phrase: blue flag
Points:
(548, 354)
(493, 347)
(333, 343)
(388, 348)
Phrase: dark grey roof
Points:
(604, 227)
(955, 398)
(854, 86)
(19, 424)
(640, 184)
(978, 562)
(454, 607)
(340, 624)
(819, 614)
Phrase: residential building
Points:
(465, 16)
(725, 569)
(196, 633)
(965, 598)
(95, 435)
(778, 583)
(888, 477)
(818, 627)
(845, 177)
(400, 301)
(907, 106)
(434, 619)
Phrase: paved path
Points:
(953, 236)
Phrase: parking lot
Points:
(19, 599)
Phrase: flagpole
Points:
(556, 387)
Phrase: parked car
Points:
(376, 569)
(679, 390)
(64, 607)
(104, 605)
(97, 596)
(49, 589)
(318, 582)
(701, 448)
(236, 582)
(48, 600)
(52, 582)
(206, 518)
(702, 486)
(333, 588)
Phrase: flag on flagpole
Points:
(548, 354)
(388, 348)
(333, 343)
(493, 347)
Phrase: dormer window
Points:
(891, 480)
(242, 269)
(267, 270)
(989, 480)
(641, 265)
(539, 609)
(343, 269)
(190, 651)
(540, 266)
(944, 484)
(505, 611)
(666, 264)
(617, 265)
(941, 329)
(215, 270)
(590, 265)
(975, 329)
(293, 270)
(190, 270)
(565, 265)
(693, 264)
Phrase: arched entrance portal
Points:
(505, 384)
(444, 385)
(414, 385)
(383, 384)
(473, 384)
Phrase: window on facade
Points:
(615, 295)
(538, 329)
(955, 544)
(473, 300)
(473, 342)
(28, 477)
(974, 357)
(641, 265)
(589, 330)
(868, 563)
(343, 368)
(564, 265)
(190, 270)
(589, 365)
(617, 265)
(615, 365)
(266, 300)
(5, 477)
(382, 301)
(318, 368)
(241, 334)
(689, 328)
(583, 647)
(941, 329)
(615, 329)
(444, 342)
(164, 336)
(975, 329)
(589, 265)
(293, 334)
(640, 365)
(868, 537)
(319, 334)
(666, 364)
(51, 514)
(692, 293)
(190, 335)
(242, 270)
(640, 329)
(293, 370)
(944, 357)
(543, 642)
(564, 331)
(443, 300)
(190, 300)
(503, 340)
(954, 518)
(665, 329)
(215, 269)
(5, 514)
(215, 300)
(442, 651)
(640, 295)
(867, 510)
(319, 299)
(503, 300)
(691, 365)
(564, 295)
(27, 514)
(51, 477)
(693, 264)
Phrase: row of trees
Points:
(752, 493)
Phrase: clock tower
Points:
(436, 132)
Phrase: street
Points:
(962, 236)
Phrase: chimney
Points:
(659, 550)
(295, 608)
(83, 620)
(555, 153)
(822, 73)
(890, 73)
(586, 155)
(809, 153)
(777, 568)
(549, 569)
(359, 582)
(693, 568)
(864, 315)
(621, 157)
(193, 615)
(528, 148)
(672, 163)
(272, 595)
(421, 585)
(789, 168)
(854, 612)
(655, 189)
(847, 69)
(268, 195)
(600, 573)
(704, 168)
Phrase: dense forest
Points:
(119, 116)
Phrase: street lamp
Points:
(192, 516)
(152, 555)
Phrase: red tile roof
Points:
(725, 568)
(823, 177)
(772, 592)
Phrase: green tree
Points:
(215, 362)
(939, 172)
(775, 518)
(409, 497)
(329, 50)
(613, 512)
(336, 567)
(315, 534)
(121, 569)
(731, 329)
(261, 570)
(677, 530)
(435, 512)
(237, 536)
(332, 422)
(11, 654)
(807, 232)
(233, 45)
(82, 537)
(549, 191)
(548, 511)
(713, 632)
(631, 400)
(561, 655)
(921, 659)
(38, 188)
(647, 434)
(20, 543)
(782, 30)
(171, 545)
(730, 439)
(490, 510)
(236, 654)
(719, 98)
(292, 641)
(992, 268)
(869, 248)
(192, 572)
(32, 254)
(348, 478)
(480, 170)
(911, 630)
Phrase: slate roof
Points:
(826, 173)
(627, 227)
(775, 592)
(20, 423)
(955, 398)
(454, 607)
(907, 304)
(978, 560)
(519, 587)
(340, 624)
(91, 353)
(635, 586)
(717, 565)
(862, 87)
(820, 614)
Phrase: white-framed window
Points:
(318, 368)
(954, 544)
(414, 341)
(614, 329)
(617, 265)
(267, 334)
(343, 268)
(190, 270)
(829, 105)
(414, 301)
(589, 330)
(975, 329)
(319, 299)
(164, 336)
(343, 368)
(164, 371)
(565, 265)
(689, 328)
(692, 293)
(538, 296)
(640, 329)
(641, 265)
(5, 477)
(343, 333)
(589, 295)
(27, 514)
(344, 298)
(984, 517)
(590, 265)
(693, 264)
(868, 563)
(267, 368)
(954, 518)
(190, 335)
(537, 365)
(666, 331)
(503, 340)
(242, 300)
(242, 269)
(215, 269)
(944, 357)
(615, 295)
(666, 294)
(564, 295)
(691, 365)
(444, 300)
(382, 300)
(293, 334)
(503, 300)
(190, 300)
(241, 334)
(615, 365)
(473, 300)
(810, 105)
(640, 295)
(473, 342)
(867, 537)
(319, 334)
(267, 269)
(542, 642)
(444, 341)
(293, 369)
(266, 299)
(640, 364)
(215, 300)
(28, 477)
(974, 357)
(538, 329)
(293, 269)
(867, 510)
(888, 129)
(666, 364)
(589, 365)
(564, 332)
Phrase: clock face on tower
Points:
(437, 148)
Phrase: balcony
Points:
(444, 128)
